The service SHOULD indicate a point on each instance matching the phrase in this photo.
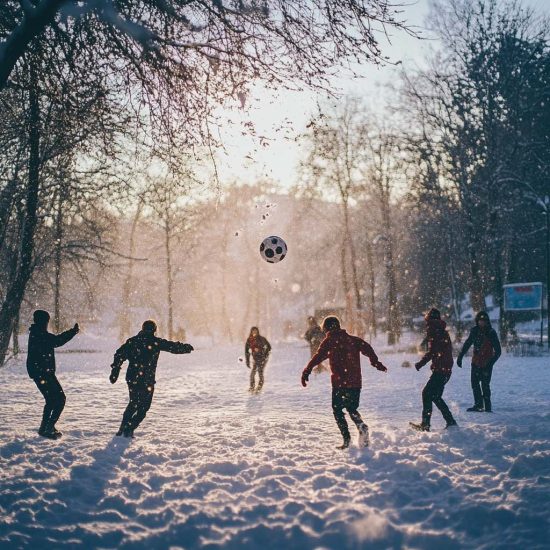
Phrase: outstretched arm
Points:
(367, 350)
(319, 357)
(61, 339)
(174, 347)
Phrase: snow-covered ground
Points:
(213, 466)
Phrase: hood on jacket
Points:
(483, 315)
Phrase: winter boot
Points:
(420, 427)
(475, 408)
(344, 445)
(121, 429)
(48, 432)
(56, 432)
(451, 423)
(363, 439)
(128, 432)
(488, 407)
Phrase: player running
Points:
(257, 346)
(440, 353)
(142, 352)
(343, 352)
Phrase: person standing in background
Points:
(259, 348)
(487, 350)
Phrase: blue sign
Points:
(523, 297)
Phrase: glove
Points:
(379, 366)
(459, 361)
(305, 378)
(76, 328)
(417, 366)
(115, 371)
(187, 348)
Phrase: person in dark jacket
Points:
(41, 368)
(142, 352)
(259, 348)
(487, 350)
(344, 354)
(440, 353)
(314, 335)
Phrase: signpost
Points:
(525, 297)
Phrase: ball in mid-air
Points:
(273, 249)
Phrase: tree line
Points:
(106, 105)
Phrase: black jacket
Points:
(142, 353)
(476, 338)
(40, 354)
(314, 335)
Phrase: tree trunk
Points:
(124, 319)
(372, 286)
(394, 323)
(169, 276)
(454, 294)
(16, 291)
(477, 295)
(58, 259)
(345, 283)
(7, 198)
(15, 336)
(353, 259)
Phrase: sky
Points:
(280, 117)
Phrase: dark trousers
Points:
(141, 396)
(481, 380)
(52, 391)
(433, 393)
(347, 398)
(257, 367)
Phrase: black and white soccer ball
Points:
(273, 249)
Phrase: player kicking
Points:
(142, 352)
(343, 352)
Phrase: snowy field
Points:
(213, 466)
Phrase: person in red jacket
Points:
(440, 353)
(343, 352)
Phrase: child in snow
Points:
(41, 368)
(142, 352)
(440, 353)
(486, 352)
(343, 352)
(257, 346)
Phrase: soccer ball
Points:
(273, 249)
